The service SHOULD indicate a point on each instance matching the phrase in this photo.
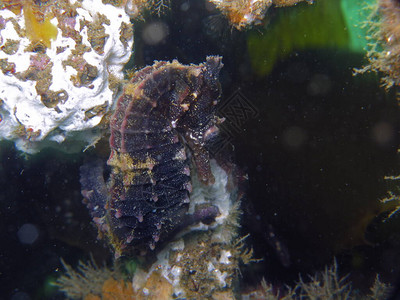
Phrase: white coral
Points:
(24, 117)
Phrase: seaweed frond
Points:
(159, 6)
(325, 285)
(87, 278)
(229, 229)
(379, 291)
(268, 292)
(393, 199)
(243, 252)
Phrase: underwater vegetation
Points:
(244, 13)
(85, 280)
(355, 14)
(383, 55)
(89, 282)
(384, 38)
(308, 27)
(323, 285)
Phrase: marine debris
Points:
(60, 63)
(243, 13)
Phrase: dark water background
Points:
(314, 140)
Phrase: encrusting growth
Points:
(383, 54)
(60, 70)
(244, 13)
(383, 50)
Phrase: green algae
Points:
(318, 26)
(355, 13)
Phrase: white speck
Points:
(225, 255)
(221, 277)
(176, 271)
(210, 267)
(247, 18)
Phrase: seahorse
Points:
(159, 132)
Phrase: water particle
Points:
(155, 33)
(28, 234)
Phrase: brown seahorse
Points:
(159, 132)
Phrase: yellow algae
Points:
(38, 31)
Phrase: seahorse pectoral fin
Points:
(94, 188)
